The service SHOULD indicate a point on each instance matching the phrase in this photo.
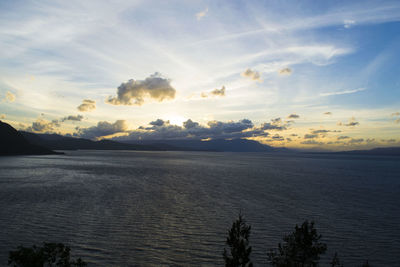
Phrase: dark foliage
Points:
(335, 261)
(302, 248)
(238, 243)
(51, 254)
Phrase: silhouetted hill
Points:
(382, 151)
(13, 142)
(59, 142)
(220, 145)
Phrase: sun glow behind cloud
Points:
(175, 119)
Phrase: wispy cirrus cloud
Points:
(343, 92)
(368, 14)
(347, 23)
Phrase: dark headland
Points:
(13, 142)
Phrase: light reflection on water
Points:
(125, 208)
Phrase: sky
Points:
(300, 74)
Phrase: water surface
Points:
(124, 208)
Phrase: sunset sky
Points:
(315, 74)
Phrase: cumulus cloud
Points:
(323, 131)
(215, 92)
(72, 118)
(389, 141)
(347, 141)
(230, 127)
(285, 71)
(103, 128)
(134, 92)
(311, 142)
(190, 124)
(370, 140)
(310, 136)
(158, 122)
(202, 14)
(270, 126)
(397, 121)
(277, 137)
(43, 126)
(252, 74)
(87, 105)
(10, 97)
(275, 124)
(355, 141)
(352, 122)
(219, 92)
(335, 143)
(293, 116)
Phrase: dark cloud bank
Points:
(163, 130)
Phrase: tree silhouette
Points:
(366, 264)
(335, 261)
(51, 254)
(238, 243)
(302, 248)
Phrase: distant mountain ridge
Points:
(218, 145)
(59, 142)
(383, 151)
(13, 142)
